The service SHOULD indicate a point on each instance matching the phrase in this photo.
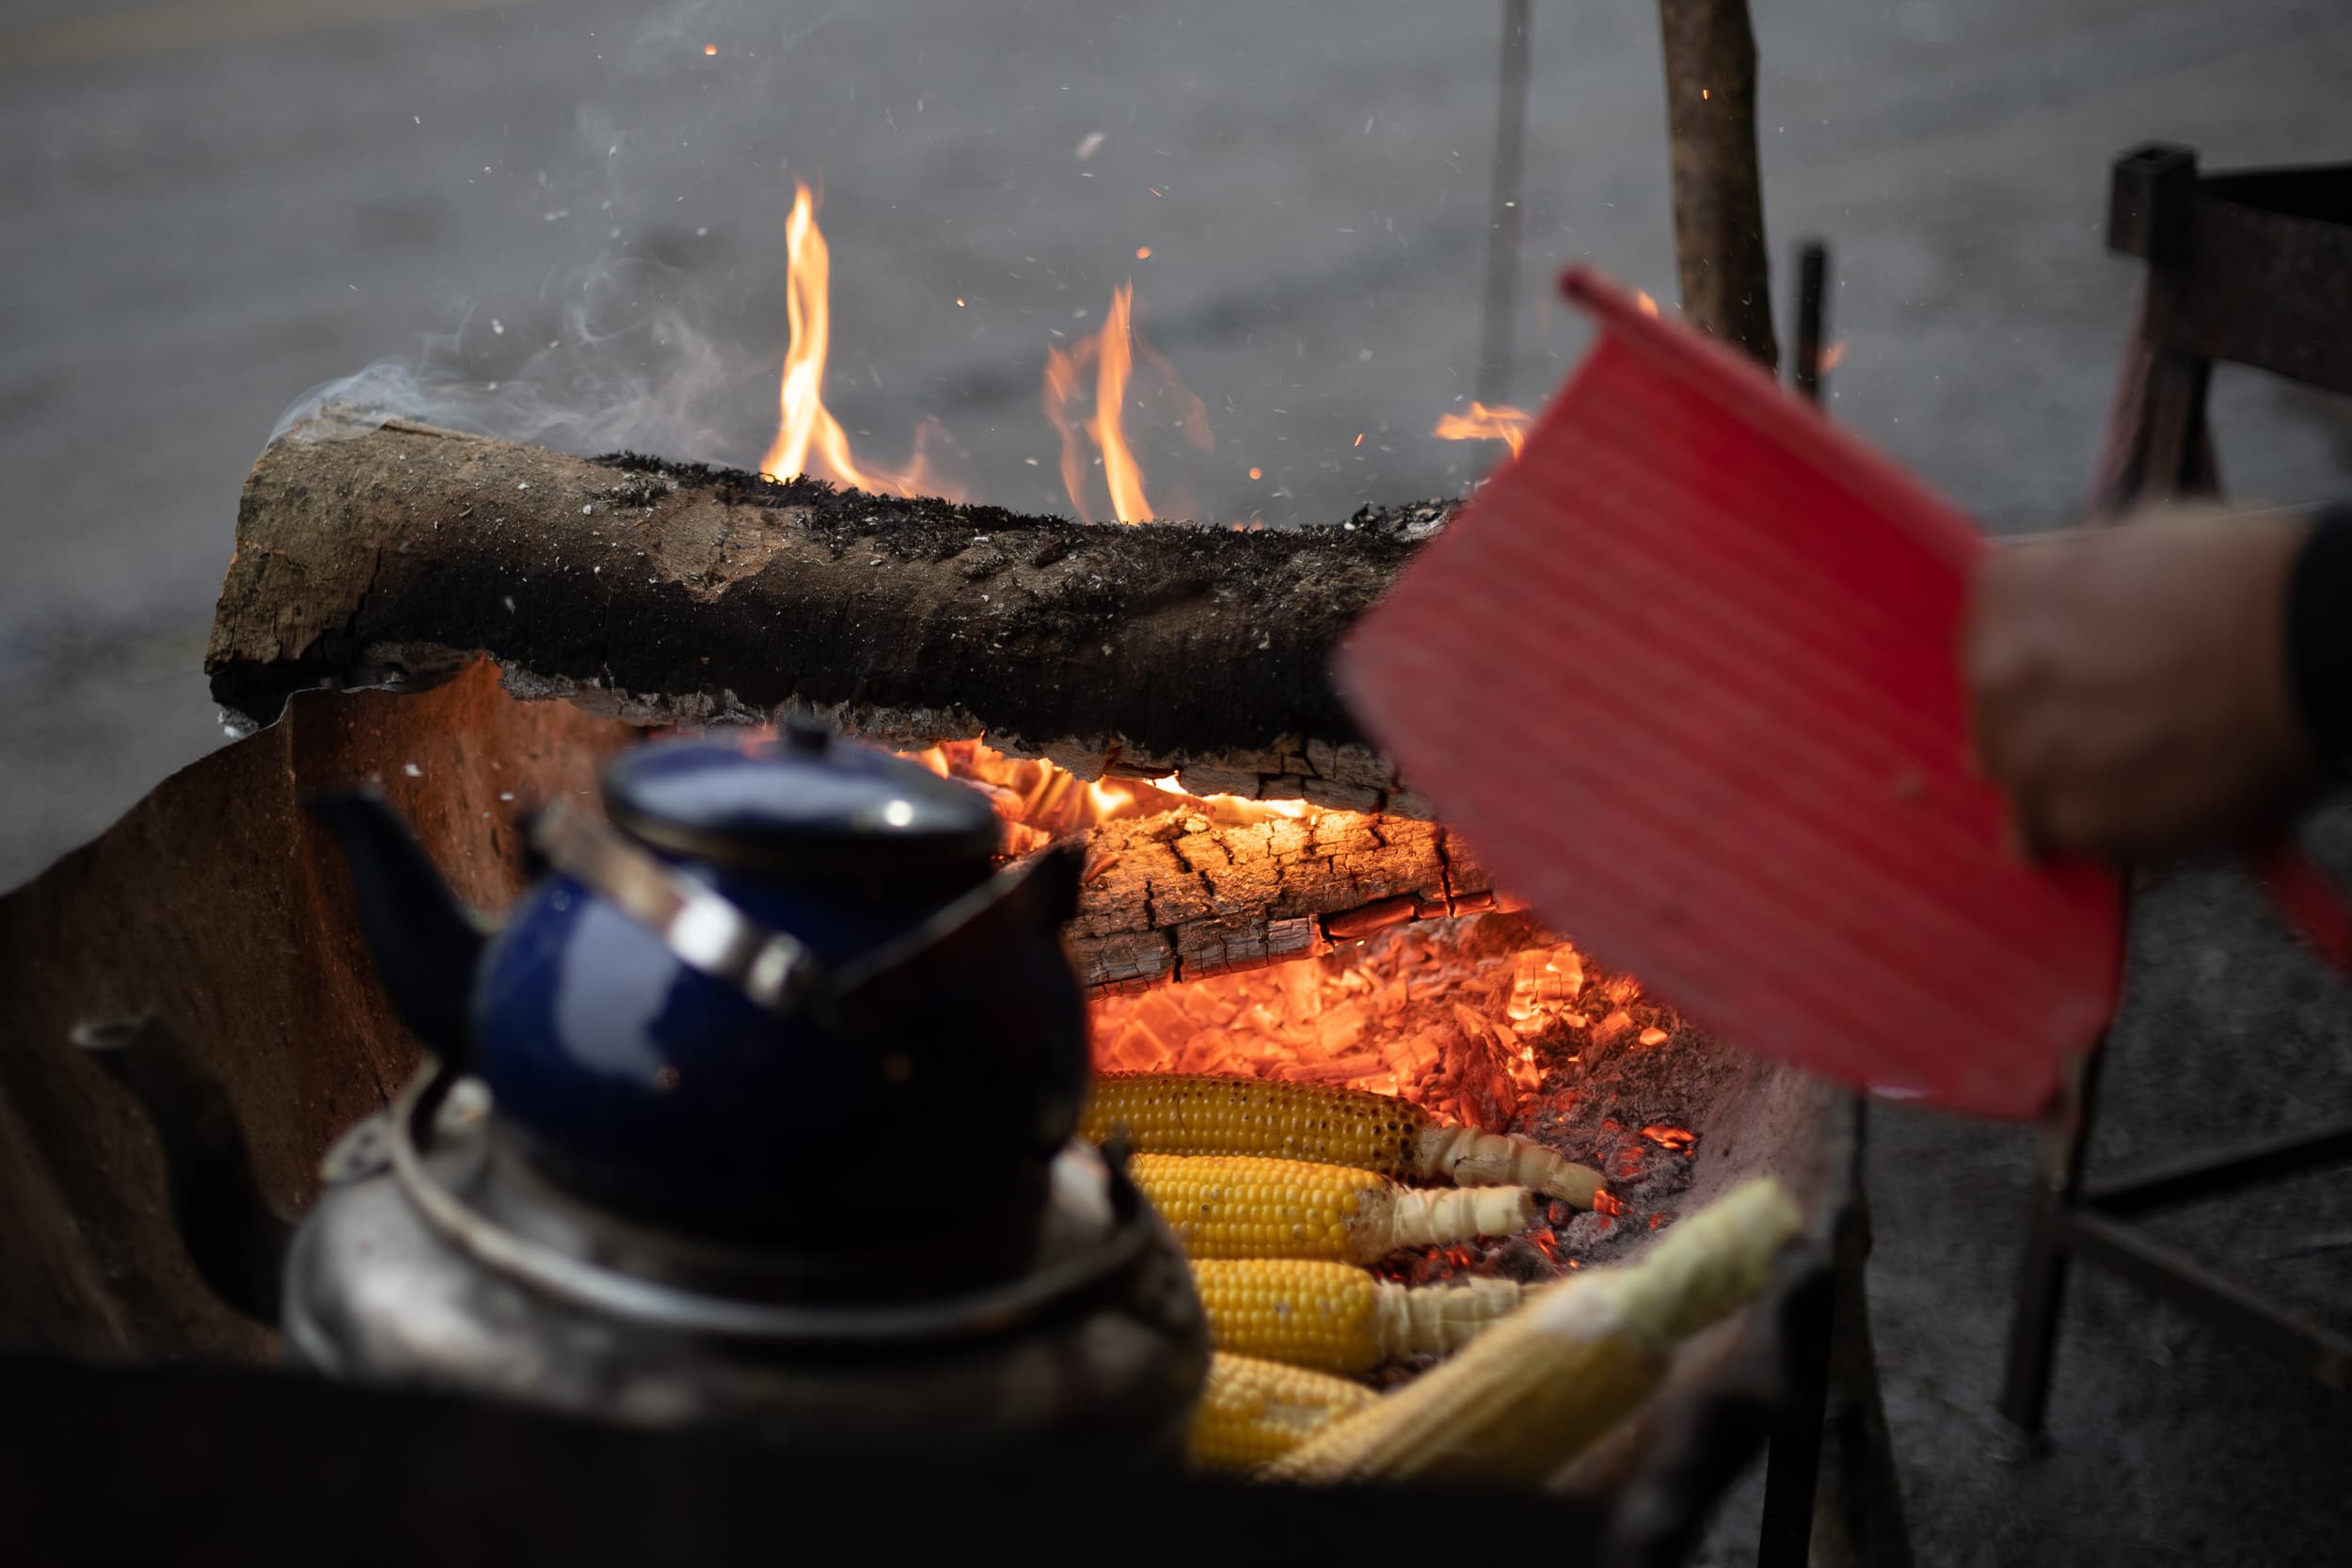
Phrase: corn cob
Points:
(1337, 1317)
(1254, 1411)
(1178, 1112)
(1244, 1205)
(1548, 1381)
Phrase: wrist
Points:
(2319, 633)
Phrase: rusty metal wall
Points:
(217, 902)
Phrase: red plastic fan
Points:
(1684, 672)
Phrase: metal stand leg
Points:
(2042, 1284)
(1831, 1492)
(1858, 1515)
(1792, 1469)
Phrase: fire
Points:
(1111, 354)
(1677, 1138)
(1119, 470)
(808, 438)
(1482, 423)
(1039, 803)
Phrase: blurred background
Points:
(565, 220)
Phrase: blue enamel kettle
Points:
(779, 994)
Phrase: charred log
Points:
(1178, 897)
(380, 552)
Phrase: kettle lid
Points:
(805, 802)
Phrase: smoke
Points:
(642, 336)
(619, 372)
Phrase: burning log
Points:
(1179, 897)
(370, 552)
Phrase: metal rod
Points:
(1812, 319)
(1504, 217)
(2041, 1274)
(2114, 1246)
(2226, 1171)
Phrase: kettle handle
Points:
(702, 927)
(1037, 895)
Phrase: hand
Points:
(2128, 687)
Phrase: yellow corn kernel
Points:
(1178, 1112)
(1335, 1316)
(1255, 1411)
(1244, 1205)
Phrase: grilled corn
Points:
(1547, 1382)
(1176, 1112)
(1243, 1205)
(1254, 1411)
(1335, 1316)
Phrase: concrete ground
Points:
(565, 220)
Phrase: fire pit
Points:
(1262, 896)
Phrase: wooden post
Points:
(1506, 216)
(1718, 194)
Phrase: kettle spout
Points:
(427, 945)
(235, 1238)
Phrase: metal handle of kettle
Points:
(702, 930)
(711, 934)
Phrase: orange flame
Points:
(1112, 354)
(808, 438)
(1482, 423)
(1119, 470)
(1041, 802)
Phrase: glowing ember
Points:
(1677, 1138)
(810, 440)
(1482, 423)
(1039, 803)
(1651, 1036)
(1111, 353)
(1649, 306)
(1833, 354)
(1606, 1202)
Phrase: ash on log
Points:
(376, 551)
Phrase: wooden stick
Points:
(1718, 192)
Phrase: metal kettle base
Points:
(432, 1258)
